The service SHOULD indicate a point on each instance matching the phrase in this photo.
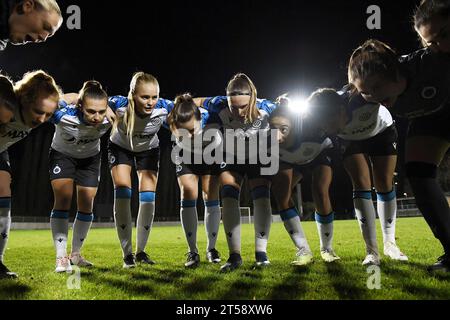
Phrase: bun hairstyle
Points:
(7, 95)
(91, 89)
(241, 84)
(183, 111)
(36, 84)
(373, 58)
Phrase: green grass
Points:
(31, 254)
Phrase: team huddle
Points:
(358, 119)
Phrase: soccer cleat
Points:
(233, 262)
(129, 262)
(442, 264)
(393, 251)
(261, 259)
(193, 260)
(372, 259)
(76, 259)
(329, 255)
(303, 257)
(5, 273)
(63, 265)
(144, 258)
(213, 256)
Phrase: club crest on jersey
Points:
(156, 122)
(223, 165)
(365, 116)
(179, 168)
(429, 93)
(112, 159)
(56, 170)
(257, 124)
(308, 152)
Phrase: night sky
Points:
(197, 46)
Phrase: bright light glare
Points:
(299, 105)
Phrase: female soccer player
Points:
(134, 141)
(415, 87)
(188, 123)
(25, 21)
(242, 112)
(303, 148)
(37, 98)
(75, 158)
(366, 130)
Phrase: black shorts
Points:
(85, 172)
(383, 144)
(4, 162)
(323, 159)
(252, 171)
(200, 169)
(145, 160)
(434, 126)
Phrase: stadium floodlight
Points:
(299, 105)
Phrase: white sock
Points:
(122, 218)
(387, 211)
(292, 223)
(365, 213)
(325, 229)
(145, 219)
(5, 224)
(212, 222)
(59, 222)
(262, 212)
(81, 227)
(189, 221)
(231, 218)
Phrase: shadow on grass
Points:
(246, 286)
(404, 280)
(294, 286)
(12, 290)
(343, 281)
(198, 286)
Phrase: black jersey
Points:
(428, 91)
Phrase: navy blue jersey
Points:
(428, 91)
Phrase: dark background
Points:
(196, 46)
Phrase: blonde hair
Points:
(239, 83)
(129, 116)
(35, 84)
(49, 5)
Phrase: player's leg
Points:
(5, 216)
(147, 197)
(282, 185)
(321, 181)
(189, 218)
(422, 166)
(231, 216)
(358, 169)
(210, 188)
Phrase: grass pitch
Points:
(31, 255)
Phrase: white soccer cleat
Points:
(372, 259)
(393, 251)
(303, 258)
(63, 265)
(78, 260)
(329, 255)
